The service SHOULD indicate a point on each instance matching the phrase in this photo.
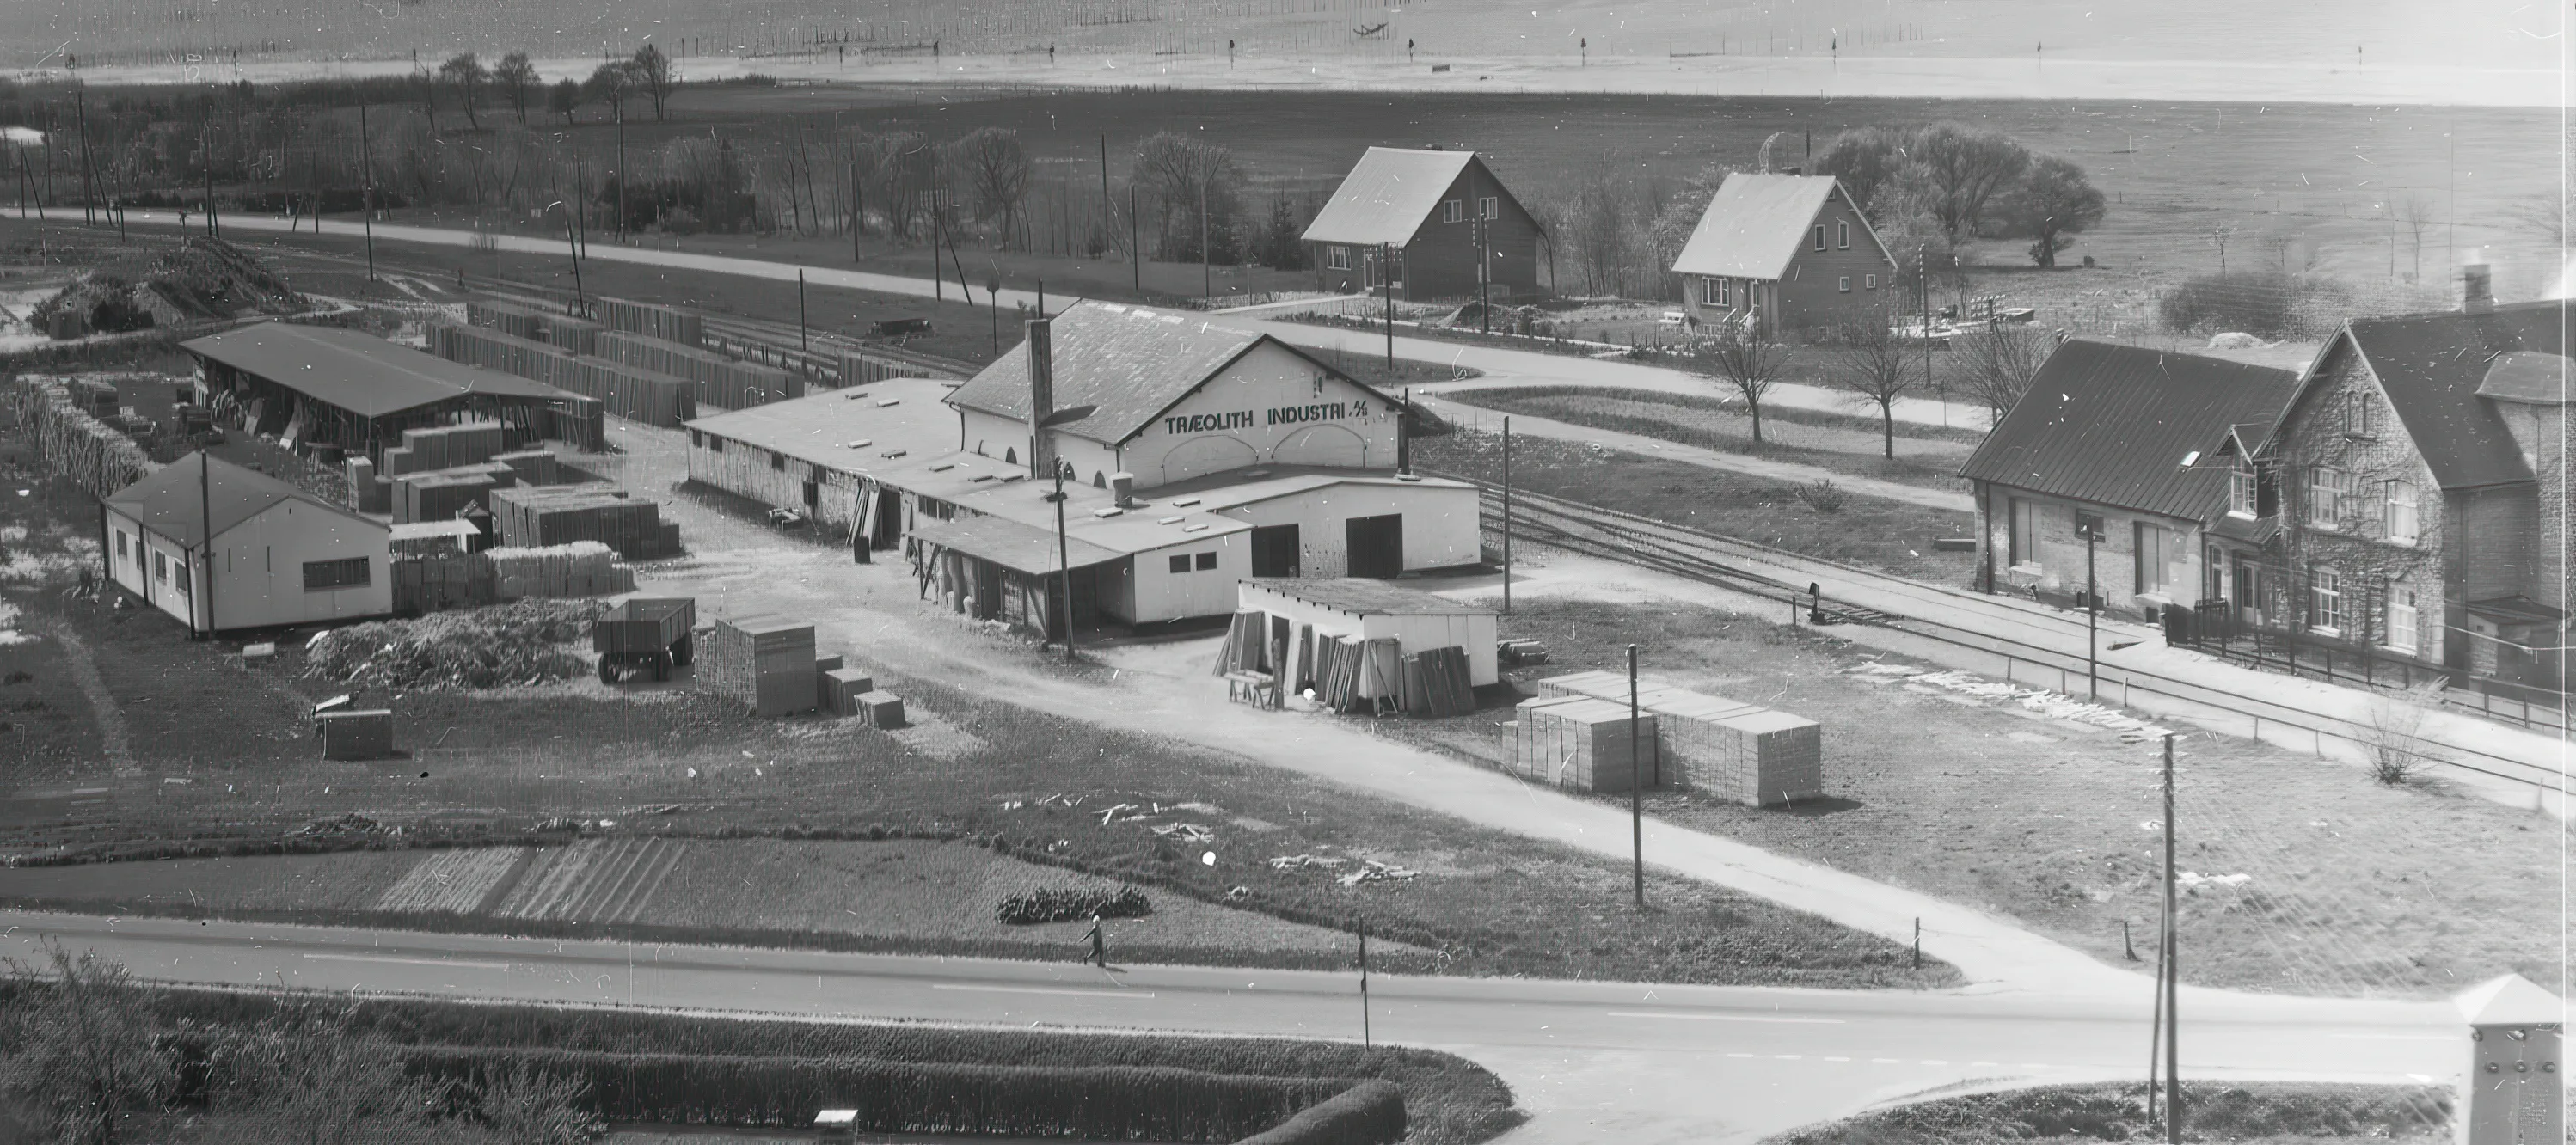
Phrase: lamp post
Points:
(1636, 785)
(2091, 526)
(1063, 545)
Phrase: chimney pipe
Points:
(2477, 287)
(1041, 396)
(1123, 487)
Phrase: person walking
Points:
(1099, 955)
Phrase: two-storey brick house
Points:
(1438, 224)
(2423, 492)
(1789, 251)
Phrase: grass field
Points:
(1930, 461)
(2263, 1113)
(2355, 887)
(1869, 532)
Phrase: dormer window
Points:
(2241, 489)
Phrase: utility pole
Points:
(2092, 610)
(1367, 1040)
(1135, 251)
(206, 537)
(1105, 214)
(1636, 785)
(367, 197)
(2172, 969)
(1386, 277)
(206, 143)
(621, 173)
(1207, 275)
(89, 178)
(1507, 511)
(803, 343)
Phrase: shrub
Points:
(1822, 495)
(1370, 1113)
(2256, 302)
(1048, 904)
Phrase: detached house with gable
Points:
(1416, 217)
(1788, 251)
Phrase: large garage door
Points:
(1274, 550)
(1376, 545)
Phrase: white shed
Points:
(278, 554)
(1302, 612)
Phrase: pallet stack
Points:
(652, 321)
(715, 380)
(583, 568)
(1579, 743)
(564, 514)
(1739, 752)
(763, 662)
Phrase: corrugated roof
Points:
(1387, 195)
(172, 502)
(822, 428)
(1755, 225)
(2111, 424)
(1011, 544)
(2431, 365)
(355, 371)
(1368, 597)
(1132, 362)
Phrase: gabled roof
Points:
(356, 371)
(1756, 224)
(2111, 425)
(171, 503)
(2530, 377)
(2431, 367)
(1130, 362)
(1389, 193)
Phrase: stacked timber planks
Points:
(583, 568)
(444, 447)
(440, 494)
(1743, 753)
(652, 321)
(763, 662)
(507, 317)
(1435, 682)
(716, 380)
(629, 392)
(1579, 743)
(563, 514)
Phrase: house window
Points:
(2023, 532)
(1206, 562)
(2402, 515)
(1869, 282)
(1843, 284)
(1713, 291)
(2325, 496)
(160, 566)
(120, 544)
(2325, 600)
(1489, 207)
(2356, 415)
(778, 461)
(1337, 258)
(715, 444)
(1449, 211)
(1820, 236)
(2403, 618)
(182, 578)
(1181, 563)
(2159, 550)
(696, 438)
(2240, 490)
(1842, 235)
(347, 573)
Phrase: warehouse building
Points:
(1209, 455)
(356, 392)
(280, 555)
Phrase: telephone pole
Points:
(367, 193)
(2172, 969)
(1636, 786)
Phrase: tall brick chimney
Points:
(1041, 345)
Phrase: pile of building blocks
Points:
(1580, 743)
(841, 689)
(538, 517)
(764, 662)
(444, 447)
(583, 568)
(350, 736)
(1727, 749)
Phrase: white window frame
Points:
(2325, 498)
(1843, 284)
(1820, 236)
(2357, 415)
(1452, 210)
(1869, 282)
(1842, 234)
(1489, 208)
(2402, 520)
(2244, 491)
(2405, 619)
(2154, 577)
(1337, 257)
(1713, 292)
(2021, 533)
(2325, 600)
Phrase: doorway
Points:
(1376, 546)
(1274, 550)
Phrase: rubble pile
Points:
(523, 642)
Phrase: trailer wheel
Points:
(608, 669)
(662, 667)
(685, 649)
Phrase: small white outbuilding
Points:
(1300, 614)
(278, 555)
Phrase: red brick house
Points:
(2422, 493)
(1790, 250)
(1415, 217)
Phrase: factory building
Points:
(279, 555)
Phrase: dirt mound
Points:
(204, 279)
(517, 643)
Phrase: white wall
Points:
(1473, 634)
(1271, 407)
(1161, 594)
(259, 566)
(747, 470)
(133, 571)
(1440, 523)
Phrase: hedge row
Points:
(1117, 1103)
(1048, 904)
(1370, 1113)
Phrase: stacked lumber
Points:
(715, 380)
(858, 369)
(72, 443)
(629, 392)
(507, 317)
(1436, 683)
(1246, 641)
(1338, 662)
(429, 584)
(441, 494)
(563, 514)
(583, 568)
(531, 466)
(577, 420)
(431, 539)
(360, 735)
(881, 710)
(569, 334)
(651, 321)
(503, 350)
(444, 447)
(373, 494)
(1579, 743)
(841, 689)
(1740, 752)
(764, 662)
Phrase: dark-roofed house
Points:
(2423, 465)
(279, 555)
(2136, 446)
(1415, 216)
(355, 391)
(1788, 251)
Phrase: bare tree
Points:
(564, 98)
(1997, 362)
(468, 74)
(1967, 169)
(1868, 359)
(653, 74)
(1680, 216)
(1187, 175)
(517, 79)
(1748, 358)
(995, 169)
(1603, 236)
(76, 1046)
(2417, 214)
(611, 83)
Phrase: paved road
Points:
(1592, 1061)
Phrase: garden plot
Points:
(596, 880)
(352, 880)
(453, 882)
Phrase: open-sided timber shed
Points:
(358, 392)
(1301, 613)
